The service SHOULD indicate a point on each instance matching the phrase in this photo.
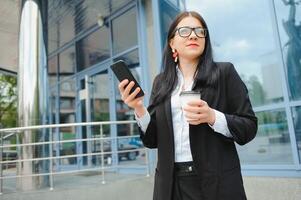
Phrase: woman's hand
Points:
(129, 99)
(198, 112)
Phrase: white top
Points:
(181, 126)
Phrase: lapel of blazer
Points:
(170, 132)
(167, 105)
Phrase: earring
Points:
(175, 55)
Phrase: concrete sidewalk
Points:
(140, 187)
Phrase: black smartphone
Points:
(122, 72)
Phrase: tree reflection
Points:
(293, 61)
(293, 58)
(256, 91)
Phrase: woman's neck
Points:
(188, 68)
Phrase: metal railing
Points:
(15, 131)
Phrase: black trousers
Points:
(186, 185)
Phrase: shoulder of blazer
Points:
(227, 70)
(224, 66)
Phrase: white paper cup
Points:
(187, 96)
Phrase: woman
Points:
(197, 158)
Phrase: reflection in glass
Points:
(100, 111)
(297, 124)
(93, 49)
(126, 113)
(67, 115)
(174, 2)
(67, 107)
(52, 70)
(88, 11)
(167, 14)
(290, 32)
(52, 101)
(248, 41)
(182, 4)
(69, 18)
(124, 30)
(67, 62)
(99, 97)
(123, 111)
(60, 23)
(272, 143)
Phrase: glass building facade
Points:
(263, 41)
(264, 45)
(84, 39)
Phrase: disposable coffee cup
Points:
(187, 96)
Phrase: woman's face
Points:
(191, 47)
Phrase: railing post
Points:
(1, 172)
(102, 155)
(51, 159)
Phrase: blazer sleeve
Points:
(240, 116)
(149, 137)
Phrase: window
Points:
(272, 143)
(94, 48)
(67, 61)
(296, 111)
(289, 25)
(247, 40)
(123, 111)
(124, 31)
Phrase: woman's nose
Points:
(193, 36)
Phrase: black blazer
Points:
(214, 155)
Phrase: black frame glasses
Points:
(186, 31)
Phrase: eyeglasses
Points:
(186, 31)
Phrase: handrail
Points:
(100, 152)
(66, 125)
(60, 126)
(7, 136)
(69, 156)
(66, 141)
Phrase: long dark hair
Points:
(206, 69)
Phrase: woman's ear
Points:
(171, 43)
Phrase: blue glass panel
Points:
(67, 61)
(123, 111)
(297, 125)
(272, 143)
(289, 25)
(124, 31)
(93, 49)
(243, 34)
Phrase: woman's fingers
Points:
(122, 84)
(197, 112)
(129, 98)
(132, 96)
(196, 102)
(194, 116)
(196, 107)
(125, 88)
(190, 115)
(128, 88)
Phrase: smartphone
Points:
(122, 72)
